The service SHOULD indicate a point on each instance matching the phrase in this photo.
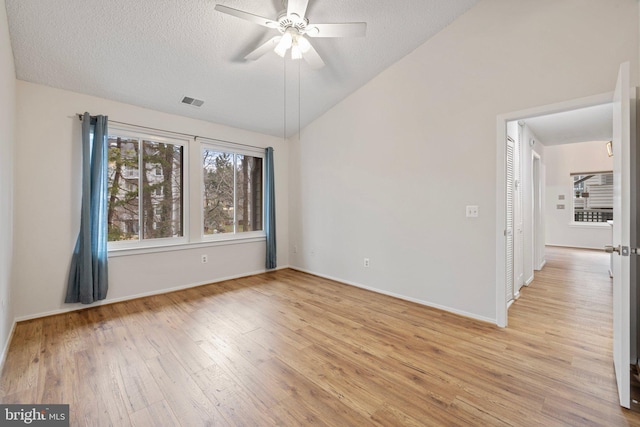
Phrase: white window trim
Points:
(194, 237)
(221, 146)
(584, 224)
(589, 224)
(173, 246)
(162, 137)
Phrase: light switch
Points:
(472, 211)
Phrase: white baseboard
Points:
(5, 351)
(76, 307)
(528, 281)
(399, 296)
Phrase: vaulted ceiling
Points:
(152, 53)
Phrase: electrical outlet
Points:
(366, 262)
(205, 259)
(295, 249)
(472, 211)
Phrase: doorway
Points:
(534, 197)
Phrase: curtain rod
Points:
(195, 137)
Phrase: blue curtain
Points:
(88, 278)
(270, 210)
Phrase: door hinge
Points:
(622, 250)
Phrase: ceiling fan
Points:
(294, 28)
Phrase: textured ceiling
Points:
(581, 125)
(151, 53)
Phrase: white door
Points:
(509, 228)
(622, 233)
(518, 235)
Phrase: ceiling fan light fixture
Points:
(285, 43)
(280, 52)
(303, 44)
(296, 53)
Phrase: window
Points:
(149, 204)
(232, 192)
(592, 197)
(146, 190)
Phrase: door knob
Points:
(610, 249)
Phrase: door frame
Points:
(537, 211)
(501, 172)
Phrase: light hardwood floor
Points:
(287, 348)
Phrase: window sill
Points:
(118, 252)
(589, 225)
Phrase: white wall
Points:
(47, 203)
(561, 160)
(386, 173)
(7, 125)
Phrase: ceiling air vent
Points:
(192, 101)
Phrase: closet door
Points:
(509, 229)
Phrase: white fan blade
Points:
(297, 7)
(312, 58)
(265, 22)
(349, 29)
(265, 48)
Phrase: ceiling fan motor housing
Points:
(292, 21)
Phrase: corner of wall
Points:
(7, 144)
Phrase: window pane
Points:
(122, 213)
(248, 193)
(593, 197)
(218, 191)
(162, 210)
